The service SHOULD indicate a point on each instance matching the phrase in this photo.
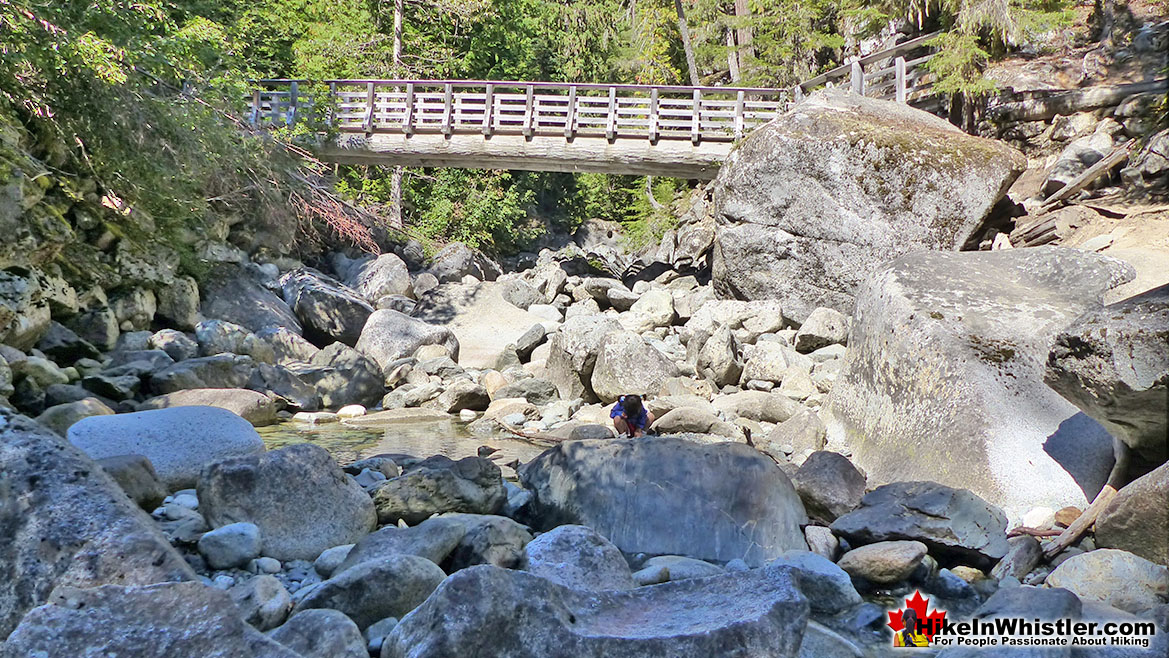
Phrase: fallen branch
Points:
(1078, 527)
(1033, 532)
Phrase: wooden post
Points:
(611, 119)
(409, 124)
(488, 107)
(255, 106)
(332, 103)
(529, 112)
(696, 124)
(570, 114)
(858, 78)
(899, 67)
(275, 109)
(653, 115)
(447, 109)
(290, 117)
(369, 99)
(739, 118)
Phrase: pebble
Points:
(467, 415)
(186, 499)
(268, 565)
(223, 581)
(315, 417)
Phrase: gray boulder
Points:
(256, 408)
(463, 394)
(829, 485)
(823, 327)
(885, 562)
(578, 558)
(520, 293)
(300, 499)
(487, 539)
(321, 634)
(390, 335)
(170, 620)
(177, 345)
(684, 420)
(533, 389)
(328, 310)
(230, 293)
(828, 587)
(951, 522)
(1075, 160)
(472, 485)
(61, 417)
(1029, 603)
(178, 303)
(674, 567)
(381, 276)
(179, 442)
(262, 601)
(219, 371)
(669, 496)
(433, 539)
(373, 590)
(572, 355)
(457, 260)
(626, 364)
(287, 346)
(1112, 364)
(759, 406)
(1137, 519)
(135, 475)
(806, 214)
(343, 375)
(219, 337)
(717, 356)
(282, 384)
(64, 346)
(947, 357)
(98, 536)
(1117, 578)
(487, 611)
(230, 546)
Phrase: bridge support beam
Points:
(628, 156)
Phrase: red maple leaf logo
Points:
(931, 622)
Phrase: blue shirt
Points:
(634, 423)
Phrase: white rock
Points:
(351, 411)
(315, 417)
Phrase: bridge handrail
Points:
(761, 91)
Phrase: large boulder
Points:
(627, 365)
(378, 277)
(578, 558)
(298, 496)
(219, 371)
(220, 336)
(473, 485)
(488, 611)
(389, 335)
(573, 354)
(481, 319)
(230, 293)
(669, 496)
(1113, 364)
(328, 310)
(256, 408)
(61, 417)
(322, 633)
(65, 522)
(343, 375)
(457, 260)
(179, 442)
(371, 591)
(943, 377)
(812, 203)
(169, 620)
(1137, 519)
(1118, 578)
(951, 522)
(433, 539)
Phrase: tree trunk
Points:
(686, 45)
(732, 57)
(743, 33)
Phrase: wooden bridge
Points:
(683, 132)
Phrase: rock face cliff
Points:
(812, 203)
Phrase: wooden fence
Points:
(452, 107)
(902, 80)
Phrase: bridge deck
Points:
(547, 126)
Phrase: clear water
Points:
(420, 438)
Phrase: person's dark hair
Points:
(909, 618)
(631, 404)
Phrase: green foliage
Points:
(958, 65)
(483, 209)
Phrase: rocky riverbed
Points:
(406, 456)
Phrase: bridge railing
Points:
(902, 80)
(530, 109)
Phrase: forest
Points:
(141, 99)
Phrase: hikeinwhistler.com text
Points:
(1019, 632)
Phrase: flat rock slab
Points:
(254, 407)
(488, 611)
(179, 442)
(943, 379)
(171, 620)
(482, 320)
(665, 496)
(73, 526)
